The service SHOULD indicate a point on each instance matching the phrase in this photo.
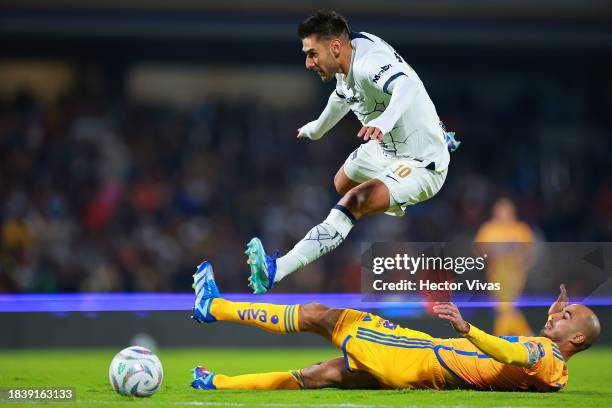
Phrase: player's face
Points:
(319, 57)
(562, 325)
(504, 211)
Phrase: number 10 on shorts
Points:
(402, 170)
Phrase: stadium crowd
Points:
(100, 194)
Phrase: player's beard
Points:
(323, 73)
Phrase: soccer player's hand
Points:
(369, 132)
(449, 311)
(561, 303)
(309, 131)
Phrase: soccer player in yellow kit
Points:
(509, 244)
(381, 354)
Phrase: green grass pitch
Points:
(87, 371)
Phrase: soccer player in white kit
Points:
(406, 155)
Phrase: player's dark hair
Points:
(323, 24)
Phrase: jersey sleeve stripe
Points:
(558, 356)
(393, 78)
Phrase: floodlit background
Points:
(139, 137)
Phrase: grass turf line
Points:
(87, 370)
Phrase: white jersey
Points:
(418, 134)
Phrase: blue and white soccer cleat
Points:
(451, 143)
(262, 265)
(203, 379)
(205, 290)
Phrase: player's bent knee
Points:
(318, 318)
(342, 183)
(310, 315)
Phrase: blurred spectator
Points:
(508, 245)
(107, 195)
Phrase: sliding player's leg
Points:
(374, 350)
(282, 319)
(313, 318)
(282, 380)
(210, 306)
(334, 373)
(316, 318)
(330, 373)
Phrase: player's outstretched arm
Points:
(403, 91)
(561, 302)
(521, 354)
(334, 111)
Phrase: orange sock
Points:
(290, 380)
(281, 319)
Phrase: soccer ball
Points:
(136, 371)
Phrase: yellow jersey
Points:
(480, 371)
(515, 231)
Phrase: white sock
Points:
(320, 240)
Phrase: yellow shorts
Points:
(395, 356)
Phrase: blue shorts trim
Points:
(436, 351)
(346, 361)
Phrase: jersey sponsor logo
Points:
(389, 325)
(253, 314)
(386, 324)
(383, 69)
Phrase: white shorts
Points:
(408, 183)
